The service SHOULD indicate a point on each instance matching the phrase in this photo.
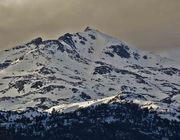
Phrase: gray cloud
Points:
(148, 24)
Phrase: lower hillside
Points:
(113, 121)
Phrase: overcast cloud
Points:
(147, 24)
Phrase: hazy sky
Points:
(148, 24)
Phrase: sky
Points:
(152, 25)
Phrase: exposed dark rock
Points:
(74, 90)
(167, 100)
(36, 41)
(122, 51)
(92, 36)
(111, 89)
(81, 37)
(8, 61)
(37, 84)
(52, 87)
(145, 57)
(103, 70)
(19, 85)
(90, 50)
(170, 71)
(136, 55)
(101, 63)
(50, 43)
(136, 66)
(4, 65)
(85, 96)
(82, 42)
(141, 80)
(18, 47)
(46, 71)
(67, 38)
(7, 77)
(21, 58)
(88, 29)
(109, 53)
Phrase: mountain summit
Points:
(86, 69)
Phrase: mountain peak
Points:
(89, 70)
(88, 28)
(84, 66)
(37, 41)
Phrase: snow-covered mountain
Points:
(87, 85)
(86, 66)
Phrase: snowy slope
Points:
(86, 66)
(173, 53)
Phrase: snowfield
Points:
(85, 69)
